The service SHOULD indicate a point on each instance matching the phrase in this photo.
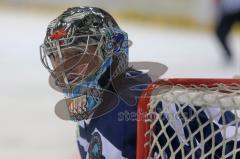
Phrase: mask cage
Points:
(61, 57)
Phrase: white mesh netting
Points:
(194, 121)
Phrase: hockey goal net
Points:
(189, 119)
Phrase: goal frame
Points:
(142, 150)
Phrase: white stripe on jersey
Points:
(108, 149)
(83, 143)
(81, 124)
(175, 122)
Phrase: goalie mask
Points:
(78, 49)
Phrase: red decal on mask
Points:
(60, 33)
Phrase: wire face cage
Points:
(189, 118)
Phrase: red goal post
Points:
(188, 86)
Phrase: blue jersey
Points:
(113, 135)
(109, 136)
